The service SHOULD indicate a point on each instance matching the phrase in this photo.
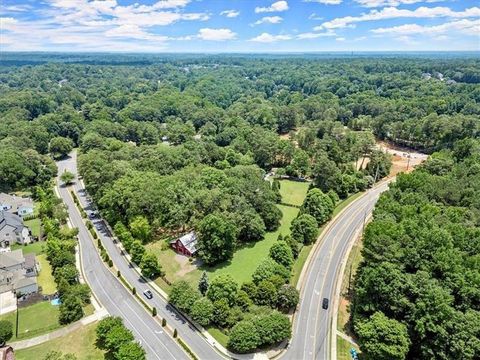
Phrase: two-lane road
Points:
(311, 336)
(111, 293)
(186, 331)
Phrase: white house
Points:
(16, 204)
(12, 230)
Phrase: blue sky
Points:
(239, 25)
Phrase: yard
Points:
(45, 278)
(34, 320)
(80, 342)
(293, 192)
(34, 225)
(35, 247)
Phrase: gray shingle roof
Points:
(7, 218)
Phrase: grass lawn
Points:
(45, 278)
(34, 320)
(34, 225)
(343, 349)
(80, 342)
(221, 337)
(293, 192)
(36, 247)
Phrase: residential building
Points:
(16, 204)
(12, 230)
(18, 272)
(185, 245)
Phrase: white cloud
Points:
(340, 39)
(394, 13)
(230, 13)
(312, 35)
(326, 2)
(314, 16)
(381, 3)
(216, 34)
(269, 20)
(276, 6)
(464, 26)
(268, 38)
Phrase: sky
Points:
(256, 26)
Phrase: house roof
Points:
(30, 261)
(15, 201)
(11, 258)
(189, 241)
(25, 281)
(10, 219)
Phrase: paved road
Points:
(111, 293)
(311, 336)
(186, 331)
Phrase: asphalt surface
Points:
(117, 300)
(311, 334)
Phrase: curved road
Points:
(117, 300)
(311, 335)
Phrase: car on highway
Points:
(325, 303)
(148, 294)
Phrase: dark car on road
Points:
(325, 303)
(148, 294)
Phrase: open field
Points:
(293, 192)
(343, 349)
(80, 342)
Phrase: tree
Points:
(6, 331)
(271, 216)
(251, 226)
(203, 284)
(319, 205)
(130, 351)
(60, 147)
(379, 165)
(104, 327)
(287, 298)
(183, 296)
(243, 337)
(216, 238)
(295, 246)
(116, 337)
(382, 338)
(70, 309)
(282, 254)
(58, 355)
(223, 287)
(67, 177)
(243, 300)
(141, 229)
(301, 162)
(268, 268)
(220, 312)
(304, 229)
(266, 293)
(137, 251)
(273, 328)
(202, 311)
(150, 266)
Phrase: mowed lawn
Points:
(80, 342)
(34, 225)
(45, 278)
(35, 247)
(34, 320)
(246, 259)
(293, 192)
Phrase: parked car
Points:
(325, 303)
(148, 294)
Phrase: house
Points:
(16, 204)
(185, 245)
(6, 353)
(12, 230)
(18, 272)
